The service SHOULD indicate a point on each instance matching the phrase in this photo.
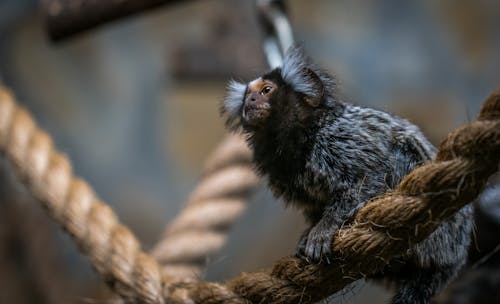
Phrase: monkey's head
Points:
(286, 96)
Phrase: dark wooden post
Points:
(66, 18)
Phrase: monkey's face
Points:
(249, 105)
(285, 97)
(257, 101)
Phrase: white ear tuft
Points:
(234, 98)
(296, 71)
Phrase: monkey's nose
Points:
(251, 100)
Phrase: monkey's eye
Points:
(266, 90)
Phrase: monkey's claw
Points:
(315, 245)
(301, 246)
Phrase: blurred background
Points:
(135, 106)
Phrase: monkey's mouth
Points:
(254, 114)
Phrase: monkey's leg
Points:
(418, 285)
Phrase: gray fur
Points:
(330, 159)
(377, 143)
(294, 72)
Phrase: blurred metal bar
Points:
(67, 18)
(278, 35)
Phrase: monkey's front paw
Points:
(316, 246)
(301, 246)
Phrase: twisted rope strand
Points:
(111, 247)
(218, 200)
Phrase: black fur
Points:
(329, 159)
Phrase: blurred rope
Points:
(112, 248)
(382, 230)
(218, 200)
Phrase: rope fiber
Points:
(112, 249)
(218, 200)
(382, 230)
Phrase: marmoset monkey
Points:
(329, 158)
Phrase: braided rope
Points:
(111, 247)
(383, 229)
(388, 225)
(218, 200)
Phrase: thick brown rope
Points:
(216, 202)
(385, 228)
